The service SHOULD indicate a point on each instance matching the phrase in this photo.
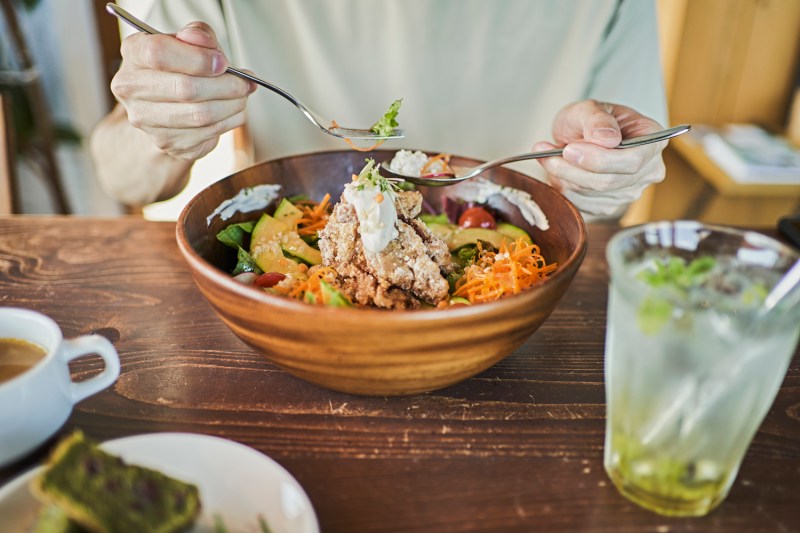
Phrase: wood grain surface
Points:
(516, 448)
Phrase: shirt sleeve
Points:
(627, 66)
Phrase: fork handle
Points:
(626, 143)
(140, 25)
(514, 158)
(271, 87)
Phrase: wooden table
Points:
(516, 448)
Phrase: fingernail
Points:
(573, 154)
(605, 133)
(218, 63)
(199, 30)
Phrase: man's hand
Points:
(174, 89)
(597, 178)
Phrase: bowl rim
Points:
(217, 276)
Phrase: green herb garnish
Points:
(386, 125)
(369, 176)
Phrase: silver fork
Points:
(328, 126)
(460, 174)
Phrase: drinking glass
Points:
(693, 361)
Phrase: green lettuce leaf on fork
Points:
(387, 124)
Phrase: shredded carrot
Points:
(443, 159)
(313, 286)
(513, 269)
(315, 216)
(354, 146)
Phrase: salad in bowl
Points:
(376, 248)
(356, 284)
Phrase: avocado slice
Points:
(456, 236)
(271, 239)
(333, 296)
(515, 232)
(464, 236)
(443, 230)
(269, 258)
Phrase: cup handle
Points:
(89, 344)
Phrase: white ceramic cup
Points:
(36, 403)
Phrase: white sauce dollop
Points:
(480, 189)
(248, 199)
(408, 163)
(377, 220)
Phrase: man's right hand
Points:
(174, 88)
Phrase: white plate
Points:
(236, 482)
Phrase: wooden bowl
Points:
(371, 351)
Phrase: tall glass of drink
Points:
(693, 360)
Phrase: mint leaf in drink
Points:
(386, 125)
(701, 266)
(675, 272)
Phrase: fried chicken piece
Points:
(409, 271)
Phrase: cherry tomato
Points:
(477, 217)
(269, 279)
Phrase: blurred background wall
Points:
(724, 61)
(63, 45)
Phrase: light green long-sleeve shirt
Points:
(478, 78)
